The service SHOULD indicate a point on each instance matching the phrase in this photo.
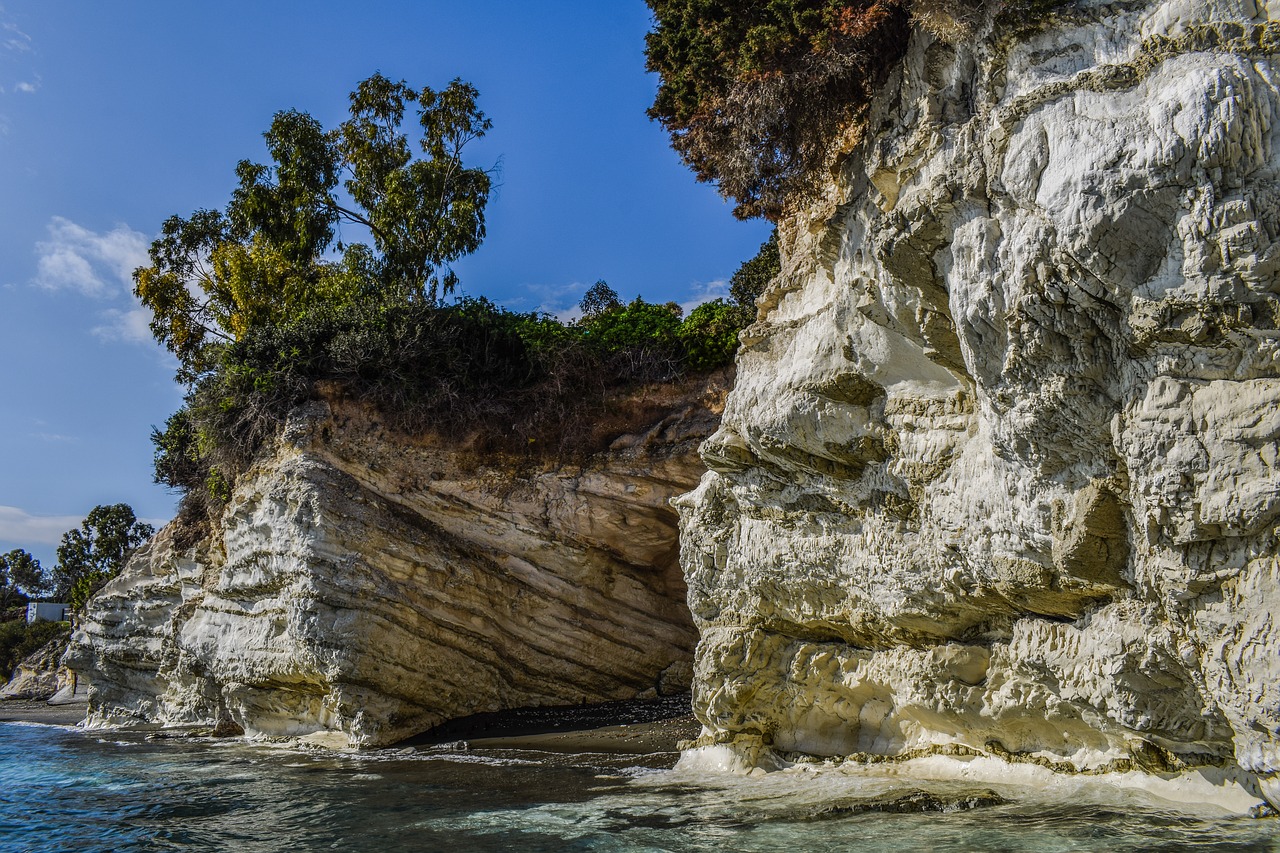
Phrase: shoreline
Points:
(621, 728)
(40, 711)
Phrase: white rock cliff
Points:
(999, 472)
(364, 587)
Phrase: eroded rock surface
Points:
(41, 675)
(1000, 467)
(371, 586)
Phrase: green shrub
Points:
(18, 641)
(709, 335)
(754, 275)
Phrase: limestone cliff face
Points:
(1000, 469)
(370, 586)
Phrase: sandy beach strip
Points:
(39, 711)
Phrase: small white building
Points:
(43, 611)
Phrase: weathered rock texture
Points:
(370, 585)
(1000, 466)
(41, 675)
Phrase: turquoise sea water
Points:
(63, 789)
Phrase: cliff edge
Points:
(998, 476)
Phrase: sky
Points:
(114, 116)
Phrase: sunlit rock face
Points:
(366, 587)
(1000, 466)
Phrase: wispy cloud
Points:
(131, 326)
(95, 264)
(705, 292)
(13, 38)
(558, 300)
(55, 438)
(18, 525)
(98, 265)
(561, 300)
(28, 88)
(31, 531)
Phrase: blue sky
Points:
(116, 115)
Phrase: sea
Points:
(64, 789)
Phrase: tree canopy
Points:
(278, 248)
(598, 299)
(21, 578)
(754, 275)
(97, 551)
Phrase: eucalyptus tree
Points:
(409, 202)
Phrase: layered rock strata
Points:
(1000, 471)
(368, 586)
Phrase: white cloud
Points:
(131, 326)
(28, 88)
(31, 531)
(561, 301)
(75, 258)
(705, 293)
(558, 300)
(17, 525)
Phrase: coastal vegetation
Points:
(21, 579)
(88, 557)
(18, 640)
(268, 304)
(754, 93)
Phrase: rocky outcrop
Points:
(41, 674)
(370, 586)
(1000, 470)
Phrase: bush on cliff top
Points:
(762, 97)
(506, 382)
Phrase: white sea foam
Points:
(1206, 791)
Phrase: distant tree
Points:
(754, 275)
(217, 274)
(600, 298)
(10, 595)
(23, 574)
(97, 551)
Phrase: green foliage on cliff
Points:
(267, 310)
(756, 92)
(496, 380)
(754, 275)
(18, 641)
